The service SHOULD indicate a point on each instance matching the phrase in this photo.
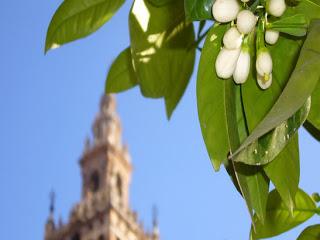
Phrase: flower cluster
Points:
(234, 59)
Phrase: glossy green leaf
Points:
(76, 19)
(162, 50)
(284, 172)
(121, 75)
(279, 219)
(299, 87)
(310, 233)
(266, 148)
(197, 10)
(211, 99)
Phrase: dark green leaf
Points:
(310, 233)
(76, 19)
(197, 10)
(279, 219)
(161, 43)
(299, 87)
(121, 75)
(284, 172)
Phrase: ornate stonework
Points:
(103, 212)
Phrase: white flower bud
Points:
(271, 36)
(245, 1)
(264, 82)
(232, 39)
(246, 21)
(242, 70)
(264, 62)
(225, 10)
(226, 62)
(276, 7)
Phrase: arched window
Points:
(101, 237)
(76, 236)
(94, 181)
(119, 185)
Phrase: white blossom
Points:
(225, 10)
(264, 82)
(264, 62)
(232, 39)
(226, 62)
(246, 21)
(242, 70)
(276, 7)
(271, 36)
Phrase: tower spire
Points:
(155, 227)
(52, 197)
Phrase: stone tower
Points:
(104, 212)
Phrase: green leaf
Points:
(121, 75)
(303, 80)
(284, 172)
(310, 233)
(279, 219)
(295, 25)
(314, 115)
(211, 99)
(76, 19)
(197, 10)
(266, 148)
(162, 52)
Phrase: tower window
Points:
(119, 185)
(94, 181)
(76, 236)
(101, 237)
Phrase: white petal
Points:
(225, 10)
(271, 36)
(264, 63)
(263, 84)
(226, 62)
(242, 70)
(246, 21)
(232, 39)
(276, 7)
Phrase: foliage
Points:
(249, 127)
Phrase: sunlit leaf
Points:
(162, 50)
(76, 19)
(121, 75)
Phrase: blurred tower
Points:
(103, 213)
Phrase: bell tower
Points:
(105, 165)
(104, 211)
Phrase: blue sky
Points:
(47, 105)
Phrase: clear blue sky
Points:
(47, 105)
